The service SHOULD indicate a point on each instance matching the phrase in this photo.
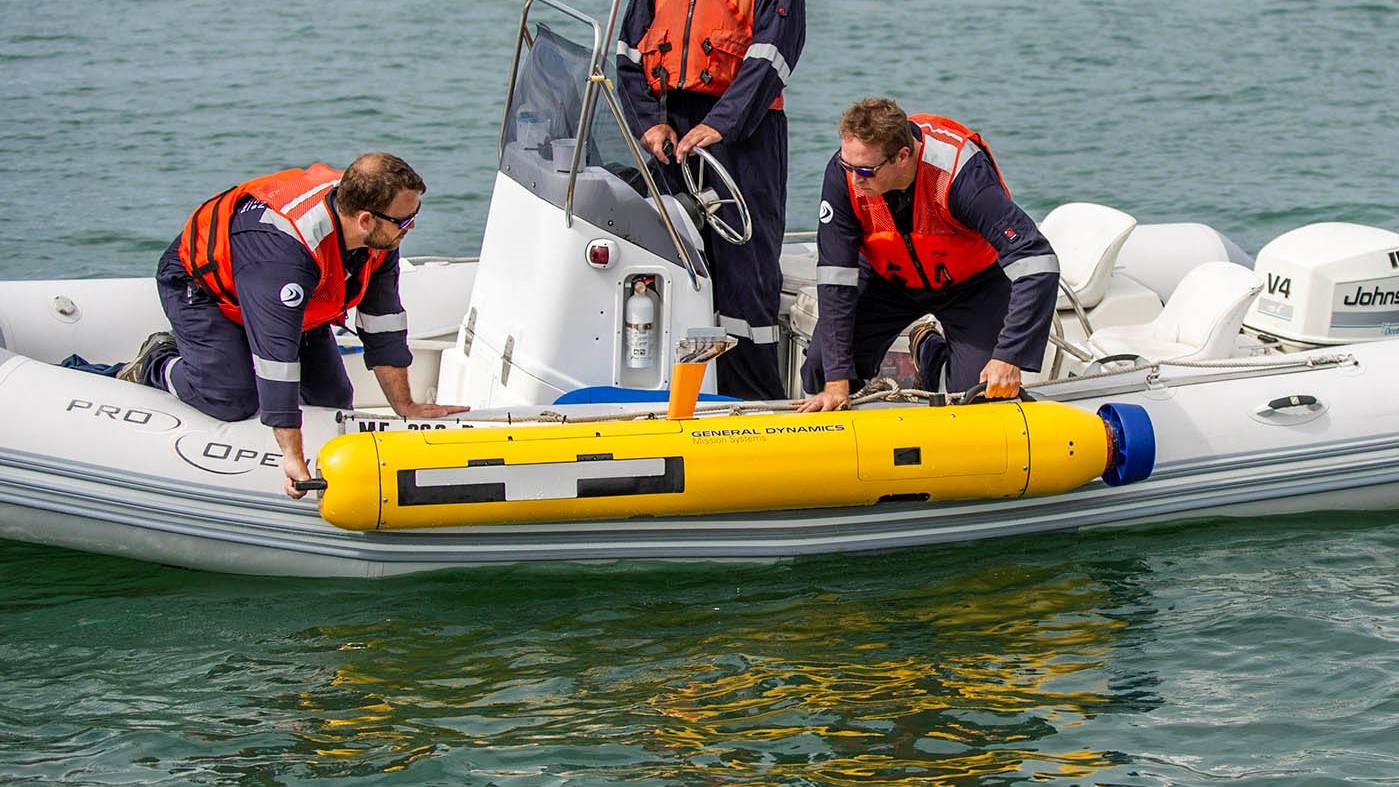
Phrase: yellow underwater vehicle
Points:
(619, 469)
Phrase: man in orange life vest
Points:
(916, 219)
(709, 74)
(255, 282)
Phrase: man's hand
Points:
(295, 469)
(655, 138)
(394, 381)
(835, 396)
(1002, 380)
(417, 410)
(700, 136)
(293, 460)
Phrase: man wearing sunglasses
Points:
(254, 284)
(915, 219)
(710, 74)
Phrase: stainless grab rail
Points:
(1060, 341)
(585, 121)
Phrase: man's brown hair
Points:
(372, 181)
(877, 121)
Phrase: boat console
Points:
(590, 268)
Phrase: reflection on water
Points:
(1146, 657)
(952, 678)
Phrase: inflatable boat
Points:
(1264, 382)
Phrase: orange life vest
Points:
(943, 250)
(697, 45)
(298, 198)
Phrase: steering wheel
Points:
(710, 202)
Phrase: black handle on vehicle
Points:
(313, 485)
(977, 394)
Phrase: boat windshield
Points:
(541, 131)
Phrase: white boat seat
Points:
(1199, 322)
(798, 264)
(1086, 237)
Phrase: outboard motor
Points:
(1327, 284)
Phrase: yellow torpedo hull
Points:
(616, 470)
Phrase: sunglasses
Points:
(864, 172)
(402, 224)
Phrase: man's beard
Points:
(384, 241)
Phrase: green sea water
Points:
(1223, 652)
(1241, 652)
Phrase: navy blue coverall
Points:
(230, 371)
(1001, 313)
(748, 278)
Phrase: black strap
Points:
(207, 271)
(664, 76)
(942, 276)
(1295, 400)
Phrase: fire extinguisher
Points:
(639, 330)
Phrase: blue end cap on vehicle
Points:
(1133, 443)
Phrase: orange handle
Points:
(685, 381)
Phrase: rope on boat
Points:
(1264, 362)
(887, 389)
(880, 389)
